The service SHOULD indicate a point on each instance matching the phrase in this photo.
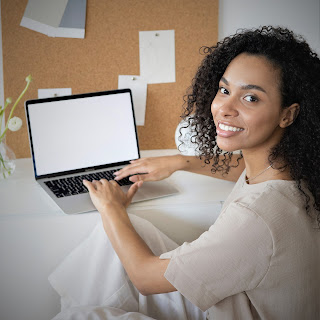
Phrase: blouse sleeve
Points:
(232, 257)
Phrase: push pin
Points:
(134, 78)
(157, 34)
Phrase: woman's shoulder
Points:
(271, 192)
(279, 203)
(261, 194)
(274, 195)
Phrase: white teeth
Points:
(229, 128)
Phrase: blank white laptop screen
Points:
(83, 132)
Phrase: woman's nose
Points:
(228, 108)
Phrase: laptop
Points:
(85, 136)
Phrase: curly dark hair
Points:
(299, 148)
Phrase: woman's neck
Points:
(259, 169)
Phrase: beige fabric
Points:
(93, 284)
(260, 260)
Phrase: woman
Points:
(257, 91)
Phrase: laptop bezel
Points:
(70, 97)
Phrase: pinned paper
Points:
(157, 56)
(138, 88)
(59, 18)
(51, 93)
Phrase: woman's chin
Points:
(226, 147)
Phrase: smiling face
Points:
(247, 107)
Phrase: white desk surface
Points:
(35, 235)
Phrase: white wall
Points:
(301, 16)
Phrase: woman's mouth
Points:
(229, 128)
(226, 131)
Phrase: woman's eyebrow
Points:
(223, 79)
(245, 87)
(252, 86)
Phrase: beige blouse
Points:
(260, 259)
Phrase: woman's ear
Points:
(289, 115)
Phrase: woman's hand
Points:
(105, 194)
(150, 169)
(145, 270)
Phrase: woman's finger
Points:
(114, 183)
(129, 171)
(89, 185)
(96, 184)
(128, 168)
(132, 190)
(141, 177)
(135, 161)
(104, 181)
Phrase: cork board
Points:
(110, 48)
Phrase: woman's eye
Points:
(251, 98)
(223, 90)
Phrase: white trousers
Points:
(93, 284)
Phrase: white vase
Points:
(7, 160)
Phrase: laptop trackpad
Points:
(153, 190)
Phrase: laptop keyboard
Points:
(73, 185)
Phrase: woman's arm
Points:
(145, 270)
(158, 168)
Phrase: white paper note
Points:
(46, 11)
(138, 87)
(157, 56)
(57, 92)
(58, 18)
